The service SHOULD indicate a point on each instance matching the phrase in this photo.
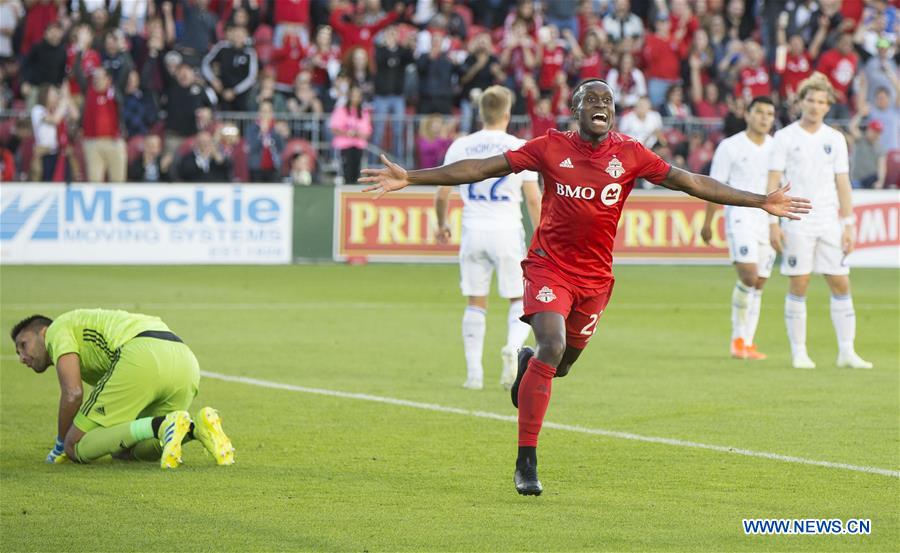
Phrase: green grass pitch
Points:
(329, 473)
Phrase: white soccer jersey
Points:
(810, 162)
(741, 163)
(495, 203)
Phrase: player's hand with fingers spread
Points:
(392, 177)
(778, 203)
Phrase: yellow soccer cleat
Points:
(171, 433)
(208, 429)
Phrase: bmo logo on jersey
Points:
(609, 195)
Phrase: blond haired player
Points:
(812, 157)
(493, 238)
(740, 161)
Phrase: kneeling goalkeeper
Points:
(144, 379)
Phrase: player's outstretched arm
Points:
(777, 203)
(393, 177)
(68, 369)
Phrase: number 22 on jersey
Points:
(476, 191)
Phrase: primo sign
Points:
(145, 224)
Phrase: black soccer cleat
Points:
(526, 478)
(525, 355)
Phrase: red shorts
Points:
(547, 290)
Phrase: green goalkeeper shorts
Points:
(150, 378)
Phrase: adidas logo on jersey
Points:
(567, 163)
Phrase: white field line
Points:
(556, 426)
(313, 305)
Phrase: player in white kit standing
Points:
(741, 161)
(492, 236)
(812, 157)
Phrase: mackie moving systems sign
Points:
(145, 224)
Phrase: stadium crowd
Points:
(221, 90)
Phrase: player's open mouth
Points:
(600, 118)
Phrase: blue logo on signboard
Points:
(15, 216)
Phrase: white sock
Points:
(795, 320)
(517, 331)
(740, 301)
(843, 317)
(474, 324)
(752, 316)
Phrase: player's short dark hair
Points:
(760, 100)
(579, 89)
(34, 322)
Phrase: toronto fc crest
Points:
(615, 168)
(546, 295)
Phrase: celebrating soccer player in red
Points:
(587, 176)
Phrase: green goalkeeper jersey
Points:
(96, 336)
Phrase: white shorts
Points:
(748, 242)
(813, 252)
(483, 251)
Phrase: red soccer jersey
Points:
(840, 70)
(287, 60)
(552, 60)
(592, 67)
(796, 69)
(662, 57)
(584, 191)
(753, 82)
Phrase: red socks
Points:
(534, 396)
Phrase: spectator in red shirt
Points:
(709, 104)
(349, 25)
(291, 17)
(287, 60)
(684, 21)
(81, 40)
(753, 76)
(662, 59)
(839, 64)
(792, 62)
(39, 14)
(519, 55)
(104, 148)
(551, 56)
(589, 58)
(324, 59)
(540, 108)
